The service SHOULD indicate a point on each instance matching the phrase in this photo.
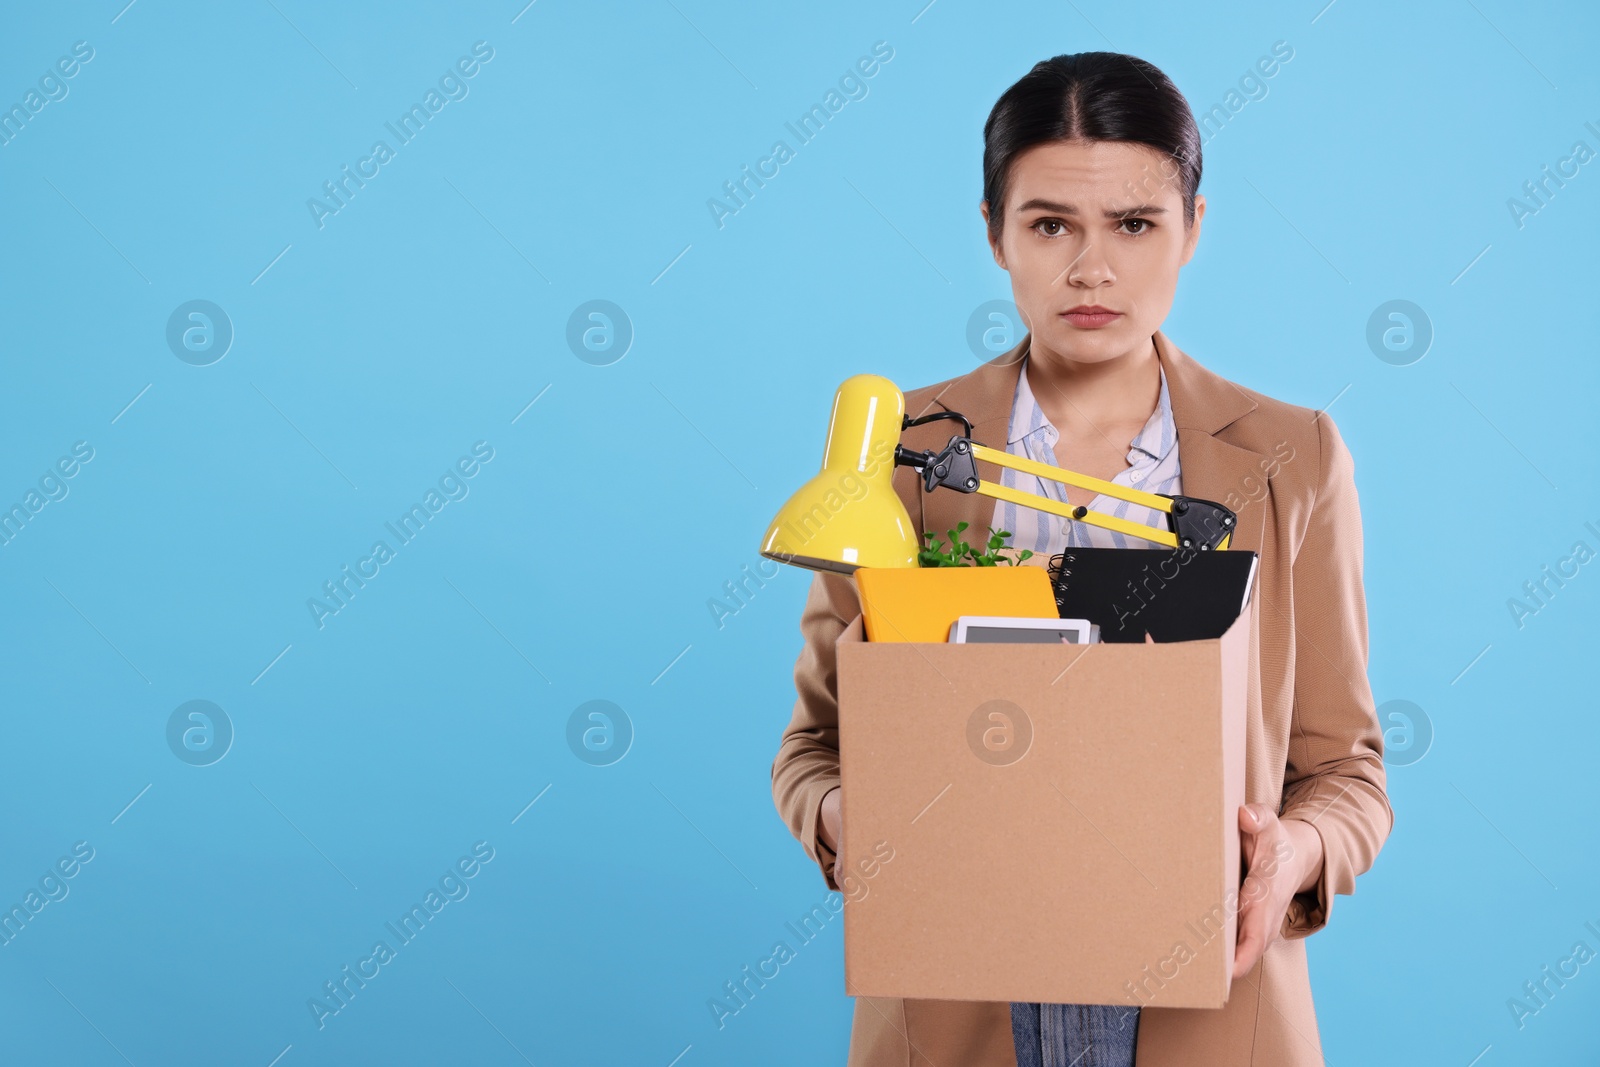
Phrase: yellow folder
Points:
(921, 603)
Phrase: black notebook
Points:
(1174, 594)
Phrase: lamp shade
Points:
(849, 515)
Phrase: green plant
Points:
(961, 554)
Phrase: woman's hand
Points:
(831, 829)
(1284, 858)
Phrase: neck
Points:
(1082, 398)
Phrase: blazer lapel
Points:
(1203, 404)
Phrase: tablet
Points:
(1002, 629)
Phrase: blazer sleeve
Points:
(807, 764)
(1334, 777)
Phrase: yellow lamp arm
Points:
(1201, 524)
(1070, 511)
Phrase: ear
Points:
(1192, 237)
(994, 249)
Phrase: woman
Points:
(1091, 166)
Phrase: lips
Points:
(1091, 316)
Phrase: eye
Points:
(1143, 224)
(1060, 227)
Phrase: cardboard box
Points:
(1061, 821)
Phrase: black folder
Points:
(1174, 594)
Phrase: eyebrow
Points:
(1068, 209)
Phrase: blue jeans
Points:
(1074, 1035)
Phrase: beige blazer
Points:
(1314, 748)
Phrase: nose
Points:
(1089, 267)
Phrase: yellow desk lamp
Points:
(850, 516)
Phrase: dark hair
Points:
(1090, 96)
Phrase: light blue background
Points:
(431, 310)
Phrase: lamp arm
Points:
(1192, 522)
(906, 421)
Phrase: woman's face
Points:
(1094, 223)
